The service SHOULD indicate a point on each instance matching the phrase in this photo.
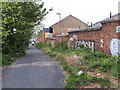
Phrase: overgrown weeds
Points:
(84, 60)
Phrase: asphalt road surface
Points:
(34, 70)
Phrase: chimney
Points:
(91, 24)
(110, 15)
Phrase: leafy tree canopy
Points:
(23, 16)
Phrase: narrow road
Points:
(34, 70)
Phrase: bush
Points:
(100, 55)
(60, 57)
(63, 45)
(100, 61)
(7, 59)
(103, 82)
(94, 55)
(52, 55)
(43, 46)
(39, 45)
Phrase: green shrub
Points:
(94, 55)
(91, 79)
(7, 59)
(81, 46)
(103, 82)
(60, 57)
(65, 66)
(100, 55)
(63, 45)
(77, 81)
(52, 55)
(39, 45)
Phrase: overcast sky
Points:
(85, 10)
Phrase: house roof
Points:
(86, 30)
(66, 17)
(115, 17)
(98, 25)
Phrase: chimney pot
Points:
(110, 15)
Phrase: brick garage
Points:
(106, 33)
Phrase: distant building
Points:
(43, 34)
(47, 32)
(67, 24)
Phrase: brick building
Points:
(102, 34)
(47, 33)
(68, 24)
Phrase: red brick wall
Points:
(89, 35)
(107, 32)
(63, 38)
(41, 38)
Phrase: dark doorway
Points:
(51, 30)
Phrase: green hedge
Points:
(7, 59)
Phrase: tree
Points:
(23, 16)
